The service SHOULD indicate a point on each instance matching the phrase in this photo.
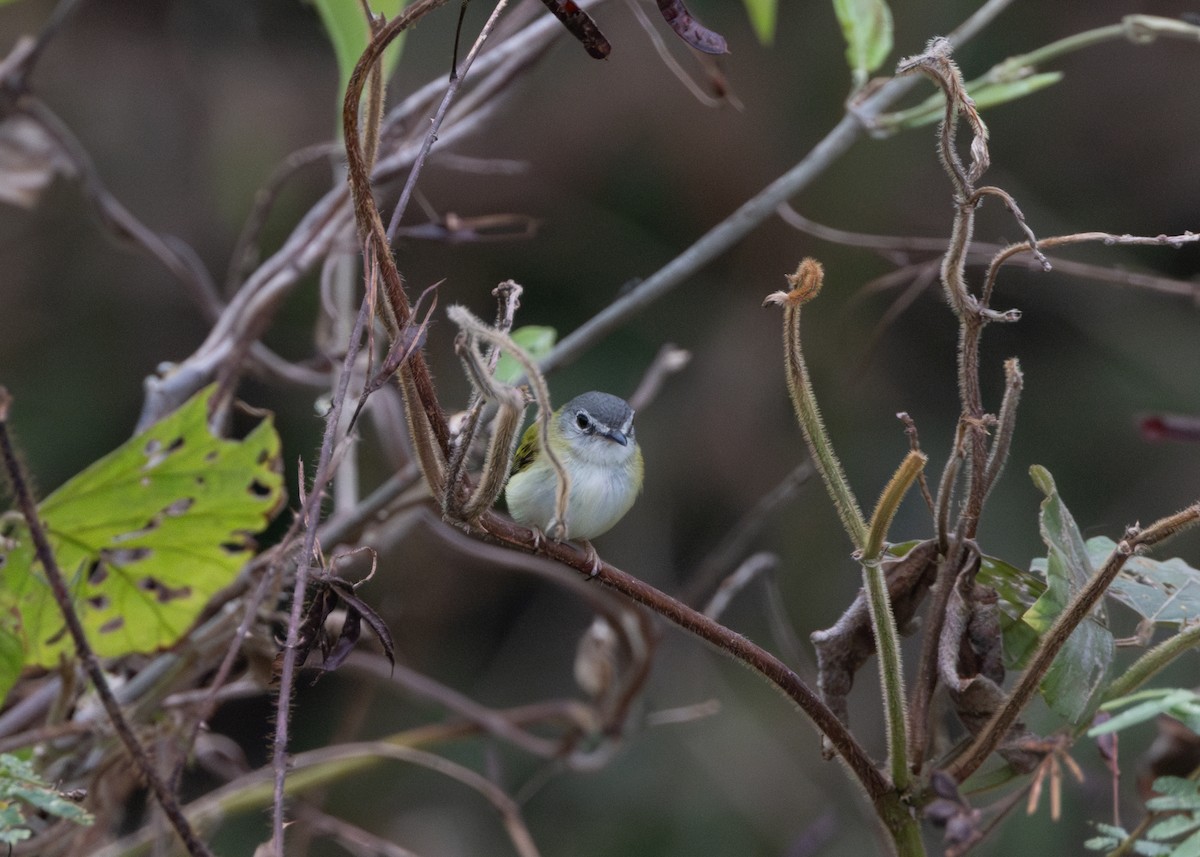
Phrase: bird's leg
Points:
(557, 531)
(591, 557)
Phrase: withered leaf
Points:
(844, 648)
(970, 664)
(331, 593)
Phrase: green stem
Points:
(883, 621)
(902, 825)
(806, 284)
(1153, 661)
(889, 501)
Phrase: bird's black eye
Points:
(583, 421)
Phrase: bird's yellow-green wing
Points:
(526, 450)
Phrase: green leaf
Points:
(867, 27)
(985, 94)
(146, 535)
(1110, 837)
(350, 33)
(12, 647)
(763, 16)
(1172, 827)
(19, 782)
(1079, 670)
(1189, 847)
(535, 340)
(1180, 703)
(1164, 591)
(12, 825)
(1175, 794)
(1018, 590)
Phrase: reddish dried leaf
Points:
(581, 26)
(690, 30)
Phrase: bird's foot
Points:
(591, 557)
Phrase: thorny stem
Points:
(1075, 612)
(58, 586)
(883, 621)
(431, 430)
(806, 285)
(1006, 422)
(1078, 238)
(311, 514)
(937, 64)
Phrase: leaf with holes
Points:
(146, 535)
(1165, 591)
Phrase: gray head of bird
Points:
(599, 427)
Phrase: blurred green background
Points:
(186, 107)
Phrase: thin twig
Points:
(738, 539)
(668, 58)
(762, 563)
(897, 248)
(753, 212)
(1107, 238)
(310, 514)
(171, 253)
(435, 123)
(244, 249)
(669, 360)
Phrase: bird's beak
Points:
(618, 436)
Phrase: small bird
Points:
(592, 435)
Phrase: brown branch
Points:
(731, 643)
(62, 596)
(372, 231)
